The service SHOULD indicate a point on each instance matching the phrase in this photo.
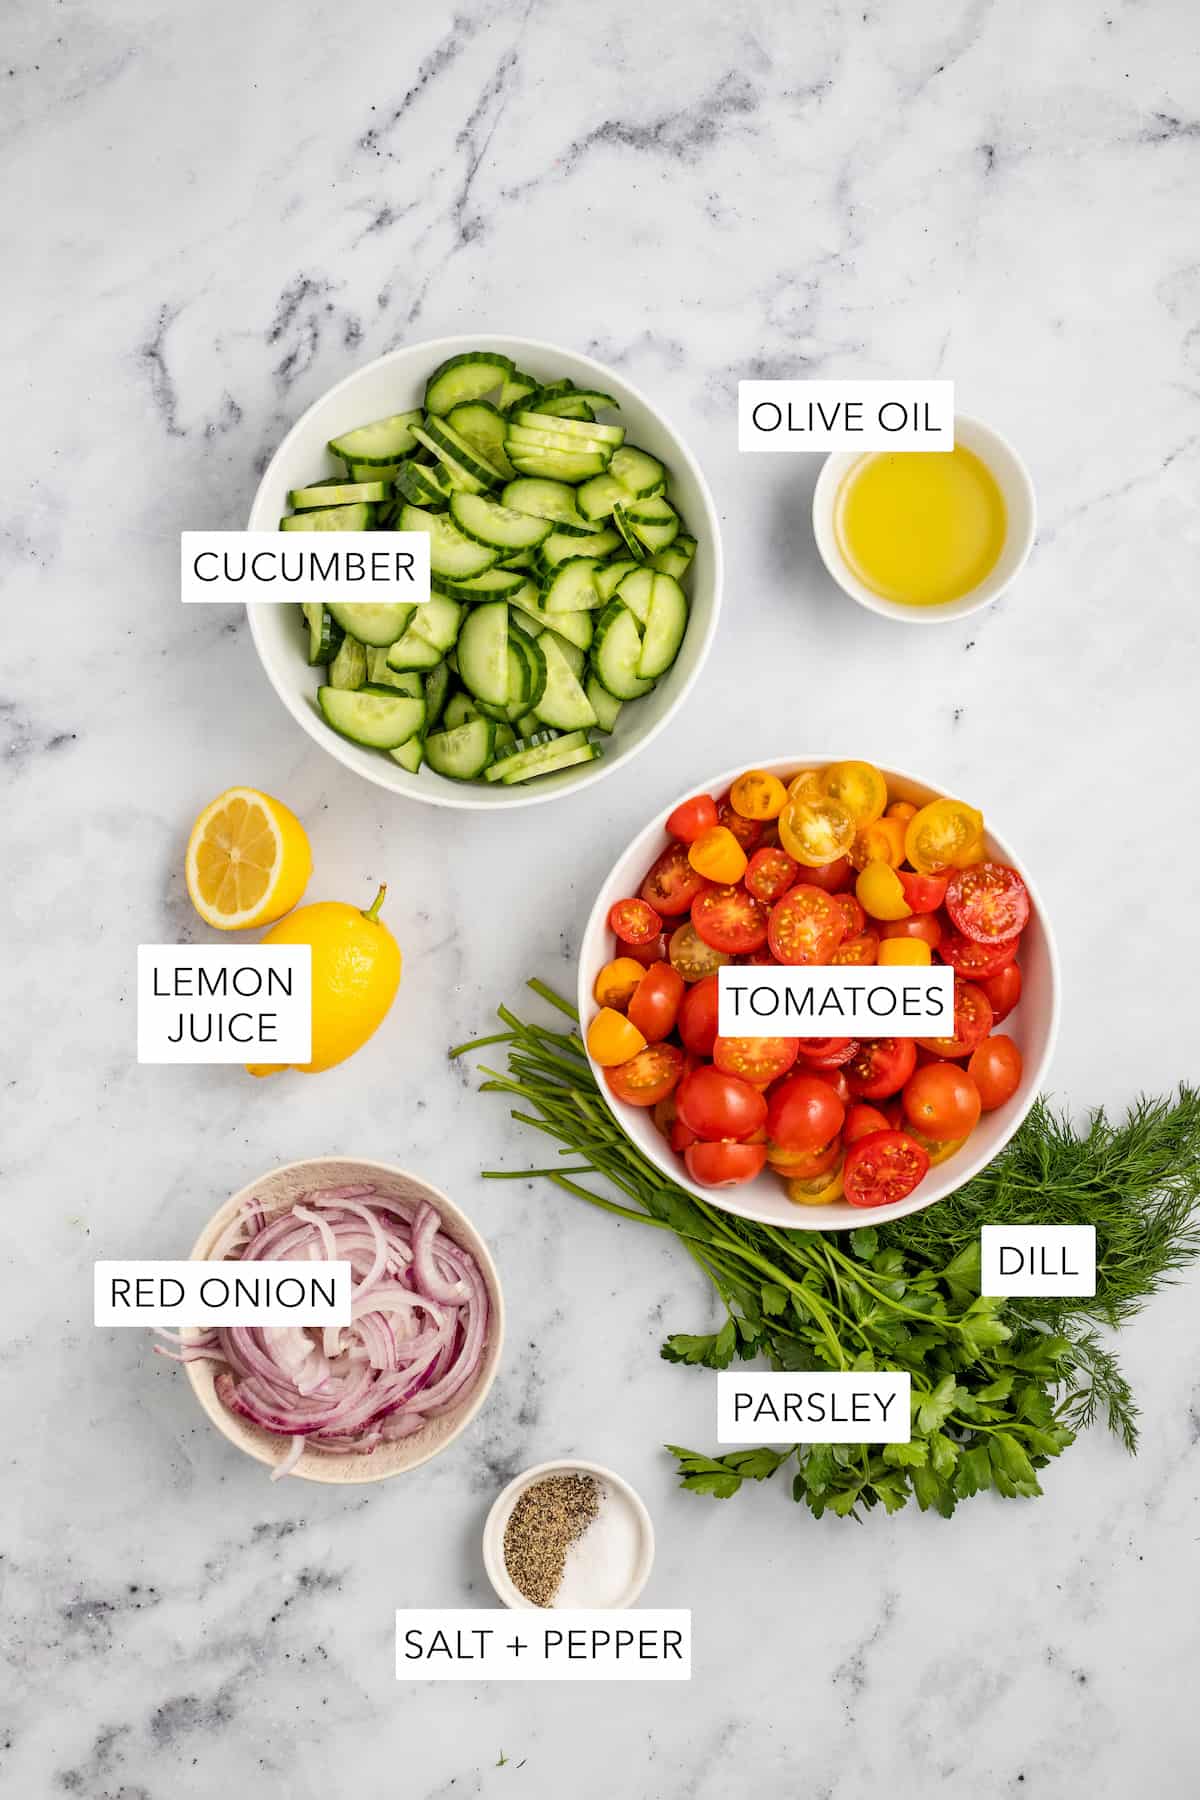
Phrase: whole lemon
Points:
(355, 974)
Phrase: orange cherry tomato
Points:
(879, 892)
(757, 795)
(802, 1165)
(654, 1004)
(901, 809)
(880, 841)
(717, 855)
(936, 1149)
(817, 1190)
(616, 981)
(693, 816)
(611, 1039)
(946, 834)
(816, 832)
(807, 784)
(859, 787)
(995, 1067)
(942, 1100)
(647, 1078)
(904, 952)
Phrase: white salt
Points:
(600, 1565)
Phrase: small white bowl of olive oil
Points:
(924, 535)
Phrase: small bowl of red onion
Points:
(396, 1386)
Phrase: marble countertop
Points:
(215, 213)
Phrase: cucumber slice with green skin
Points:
(422, 485)
(556, 759)
(665, 627)
(374, 471)
(552, 500)
(586, 429)
(572, 587)
(637, 470)
(360, 517)
(459, 709)
(437, 687)
(531, 726)
(676, 560)
(499, 527)
(605, 707)
(466, 377)
(528, 649)
(559, 405)
(526, 437)
(616, 653)
(533, 740)
(518, 689)
(413, 651)
(598, 496)
(450, 553)
(636, 592)
(575, 627)
(532, 758)
(383, 441)
(564, 703)
(494, 584)
(464, 753)
(655, 522)
(551, 465)
(324, 633)
(516, 389)
(437, 621)
(339, 493)
(519, 559)
(453, 448)
(610, 577)
(483, 653)
(379, 675)
(551, 390)
(378, 721)
(571, 654)
(376, 624)
(461, 478)
(410, 756)
(633, 542)
(506, 737)
(561, 546)
(348, 670)
(479, 424)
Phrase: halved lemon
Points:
(248, 860)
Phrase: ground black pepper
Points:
(545, 1522)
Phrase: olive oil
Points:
(921, 527)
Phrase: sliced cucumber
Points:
(572, 587)
(664, 628)
(499, 527)
(460, 477)
(478, 423)
(610, 577)
(494, 584)
(459, 708)
(376, 720)
(636, 470)
(586, 430)
(552, 500)
(371, 623)
(564, 703)
(605, 707)
(379, 675)
(547, 401)
(437, 686)
(339, 493)
(466, 377)
(598, 496)
(410, 756)
(437, 621)
(655, 521)
(534, 740)
(576, 627)
(450, 553)
(483, 653)
(537, 437)
(633, 542)
(636, 591)
(422, 485)
(560, 546)
(553, 759)
(531, 653)
(553, 465)
(516, 389)
(518, 690)
(452, 448)
(676, 560)
(348, 670)
(384, 441)
(464, 753)
(530, 759)
(374, 471)
(324, 633)
(413, 652)
(616, 653)
(572, 655)
(331, 518)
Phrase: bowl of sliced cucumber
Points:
(576, 571)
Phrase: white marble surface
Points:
(215, 212)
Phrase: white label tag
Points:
(815, 1407)
(826, 1001)
(482, 1644)
(1037, 1259)
(224, 1003)
(221, 1293)
(257, 567)
(845, 415)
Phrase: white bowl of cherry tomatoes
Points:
(801, 861)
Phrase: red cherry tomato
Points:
(802, 1165)
(921, 925)
(924, 893)
(672, 884)
(972, 1022)
(833, 1078)
(724, 1165)
(656, 951)
(748, 832)
(857, 952)
(716, 1105)
(854, 919)
(805, 926)
(730, 919)
(881, 1067)
(635, 921)
(698, 1017)
(988, 902)
(827, 1053)
(803, 1113)
(1003, 990)
(771, 872)
(942, 1101)
(995, 1068)
(833, 877)
(861, 1121)
(654, 1004)
(647, 1077)
(883, 1167)
(975, 961)
(693, 816)
(756, 1059)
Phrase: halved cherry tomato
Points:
(805, 926)
(988, 902)
(748, 832)
(654, 1004)
(881, 841)
(693, 816)
(806, 784)
(817, 1190)
(938, 1150)
(757, 795)
(834, 1078)
(646, 954)
(665, 1113)
(816, 832)
(611, 1039)
(972, 1022)
(902, 952)
(730, 919)
(634, 921)
(755, 1059)
(827, 1053)
(942, 1100)
(946, 834)
(647, 1077)
(882, 1168)
(975, 961)
(802, 1165)
(861, 1121)
(1003, 990)
(770, 873)
(859, 787)
(925, 926)
(879, 892)
(854, 919)
(857, 952)
(672, 883)
(803, 1113)
(616, 981)
(716, 1105)
(995, 1067)
(691, 956)
(900, 809)
(698, 1017)
(881, 1067)
(724, 1165)
(924, 893)
(833, 876)
(717, 855)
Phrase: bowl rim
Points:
(835, 467)
(332, 1470)
(493, 1530)
(522, 794)
(724, 1199)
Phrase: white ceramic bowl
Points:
(1015, 485)
(392, 383)
(1033, 1025)
(497, 1521)
(281, 1188)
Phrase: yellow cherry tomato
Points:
(880, 841)
(806, 785)
(757, 795)
(860, 788)
(898, 951)
(946, 834)
(815, 832)
(881, 895)
(616, 981)
(936, 1149)
(717, 855)
(611, 1039)
(817, 1190)
(900, 809)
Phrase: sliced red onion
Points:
(428, 1277)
